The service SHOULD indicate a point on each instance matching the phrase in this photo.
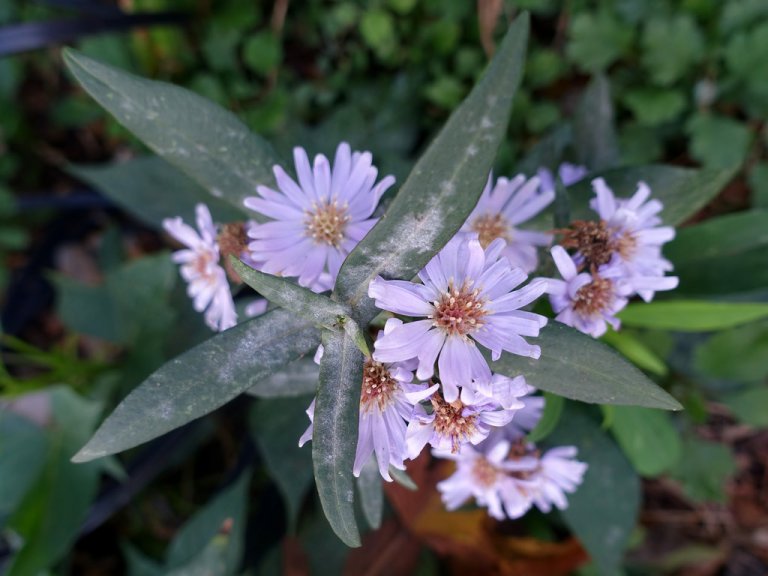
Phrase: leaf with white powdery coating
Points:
(579, 367)
(316, 308)
(371, 493)
(443, 187)
(334, 439)
(202, 139)
(202, 379)
(683, 191)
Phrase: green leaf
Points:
(654, 106)
(758, 182)
(648, 438)
(402, 478)
(371, 493)
(724, 255)
(335, 432)
(749, 406)
(298, 378)
(202, 379)
(277, 425)
(210, 561)
(579, 367)
(316, 308)
(207, 142)
(683, 191)
(594, 133)
(229, 506)
(547, 152)
(263, 52)
(692, 315)
(636, 351)
(718, 141)
(746, 51)
(597, 40)
(130, 307)
(443, 187)
(553, 409)
(703, 469)
(23, 450)
(55, 506)
(603, 510)
(152, 190)
(671, 47)
(738, 354)
(137, 564)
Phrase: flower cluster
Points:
(613, 258)
(428, 381)
(508, 475)
(511, 477)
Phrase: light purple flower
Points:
(386, 403)
(206, 280)
(637, 236)
(502, 208)
(466, 297)
(568, 173)
(316, 222)
(485, 477)
(587, 301)
(451, 425)
(525, 420)
(558, 474)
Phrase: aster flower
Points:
(486, 478)
(387, 402)
(206, 280)
(466, 297)
(451, 425)
(587, 301)
(502, 208)
(636, 237)
(526, 418)
(568, 173)
(558, 473)
(316, 222)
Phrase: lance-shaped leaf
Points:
(594, 133)
(443, 187)
(334, 438)
(202, 379)
(683, 191)
(152, 190)
(579, 367)
(199, 137)
(724, 255)
(603, 511)
(371, 493)
(314, 307)
(692, 315)
(296, 379)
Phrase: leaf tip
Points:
(86, 454)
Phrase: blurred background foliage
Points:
(93, 304)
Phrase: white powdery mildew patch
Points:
(485, 123)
